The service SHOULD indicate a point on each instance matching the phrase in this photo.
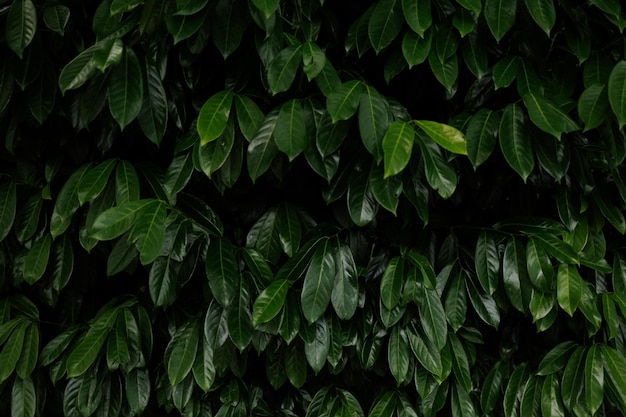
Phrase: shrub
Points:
(321, 208)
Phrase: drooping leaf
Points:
(547, 117)
(93, 182)
(543, 13)
(221, 271)
(313, 60)
(398, 354)
(500, 17)
(282, 70)
(617, 92)
(481, 135)
(343, 102)
(23, 398)
(262, 148)
(36, 261)
(21, 25)
(238, 316)
(514, 143)
(8, 204)
(115, 221)
(417, 15)
(148, 232)
(213, 116)
(181, 352)
(446, 136)
(384, 24)
(397, 145)
(228, 26)
(56, 17)
(269, 303)
(153, 116)
(318, 282)
(593, 106)
(433, 318)
(344, 295)
(415, 49)
(569, 288)
(290, 133)
(249, 116)
(505, 71)
(126, 89)
(439, 173)
(374, 120)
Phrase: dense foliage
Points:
(322, 208)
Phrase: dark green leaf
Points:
(384, 24)
(126, 183)
(398, 354)
(8, 202)
(93, 182)
(213, 116)
(343, 102)
(249, 116)
(238, 316)
(505, 71)
(547, 117)
(153, 115)
(617, 92)
(262, 148)
(56, 17)
(36, 261)
(23, 398)
(228, 26)
(615, 368)
(551, 402)
(439, 173)
(514, 143)
(290, 133)
(433, 318)
(481, 134)
(282, 70)
(181, 352)
(115, 221)
(137, 389)
(418, 15)
(387, 191)
(391, 282)
(500, 17)
(345, 293)
(316, 350)
(397, 145)
(269, 303)
(414, 48)
(543, 13)
(374, 121)
(318, 283)
(222, 271)
(126, 89)
(21, 25)
(593, 106)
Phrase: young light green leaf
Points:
(397, 145)
(282, 70)
(500, 17)
(417, 15)
(213, 116)
(318, 282)
(8, 204)
(290, 134)
(21, 25)
(126, 89)
(384, 24)
(514, 143)
(617, 92)
(343, 102)
(446, 136)
(269, 303)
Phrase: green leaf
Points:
(153, 115)
(387, 191)
(185, 26)
(88, 348)
(617, 92)
(515, 275)
(417, 15)
(56, 17)
(30, 352)
(374, 120)
(446, 136)
(295, 367)
(433, 318)
(492, 387)
(343, 102)
(475, 55)
(540, 270)
(181, 352)
(122, 6)
(265, 236)
(557, 248)
(593, 106)
(543, 13)
(329, 135)
(290, 133)
(484, 305)
(126, 89)
(21, 25)
(318, 282)
(398, 354)
(117, 220)
(269, 303)
(228, 26)
(213, 116)
(551, 403)
(328, 79)
(556, 358)
(391, 282)
(313, 60)
(222, 271)
(505, 71)
(397, 145)
(27, 219)
(500, 17)
(262, 148)
(456, 303)
(384, 24)
(36, 260)
(177, 175)
(268, 7)
(137, 389)
(109, 55)
(345, 293)
(446, 72)
(362, 206)
(615, 368)
(547, 117)
(594, 379)
(282, 70)
(57, 346)
(238, 316)
(439, 173)
(148, 232)
(82, 67)
(203, 368)
(126, 183)
(514, 143)
(12, 351)
(481, 134)
(93, 182)
(317, 349)
(249, 116)
(289, 230)
(487, 262)
(8, 203)
(425, 351)
(569, 288)
(573, 382)
(416, 49)
(23, 398)
(117, 352)
(513, 392)
(385, 405)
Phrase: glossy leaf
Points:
(126, 89)
(36, 261)
(238, 316)
(397, 145)
(416, 49)
(374, 121)
(418, 15)
(262, 148)
(290, 133)
(617, 92)
(182, 352)
(153, 116)
(21, 25)
(446, 136)
(505, 71)
(56, 17)
(269, 303)
(398, 354)
(86, 351)
(543, 13)
(23, 398)
(481, 135)
(249, 116)
(547, 116)
(214, 116)
(282, 70)
(439, 174)
(137, 389)
(500, 17)
(593, 106)
(514, 143)
(318, 282)
(93, 182)
(569, 288)
(343, 102)
(221, 271)
(344, 295)
(117, 220)
(8, 204)
(148, 231)
(384, 24)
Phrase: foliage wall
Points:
(322, 208)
